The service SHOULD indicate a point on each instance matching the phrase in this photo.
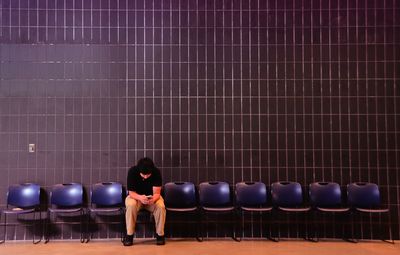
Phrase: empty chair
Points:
(252, 197)
(22, 199)
(66, 199)
(180, 198)
(326, 197)
(288, 197)
(364, 198)
(215, 197)
(106, 199)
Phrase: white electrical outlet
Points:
(31, 147)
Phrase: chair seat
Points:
(373, 210)
(18, 211)
(218, 209)
(65, 210)
(104, 209)
(175, 209)
(334, 210)
(256, 209)
(294, 209)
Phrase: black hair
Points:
(146, 165)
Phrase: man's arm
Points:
(156, 195)
(142, 198)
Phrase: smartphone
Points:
(149, 196)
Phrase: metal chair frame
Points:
(22, 199)
(210, 194)
(105, 199)
(326, 198)
(252, 199)
(66, 198)
(180, 199)
(287, 197)
(364, 199)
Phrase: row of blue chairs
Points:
(208, 197)
(65, 199)
(288, 197)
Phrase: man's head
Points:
(146, 166)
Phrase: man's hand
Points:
(144, 200)
(151, 200)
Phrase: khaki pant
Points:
(133, 207)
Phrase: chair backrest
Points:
(106, 194)
(287, 194)
(180, 194)
(214, 194)
(66, 194)
(251, 194)
(23, 195)
(363, 195)
(326, 194)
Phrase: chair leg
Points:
(47, 226)
(5, 226)
(268, 222)
(280, 223)
(352, 239)
(41, 225)
(316, 227)
(315, 237)
(341, 220)
(279, 228)
(352, 225)
(234, 226)
(34, 226)
(241, 222)
(358, 231)
(201, 220)
(198, 226)
(390, 240)
(88, 225)
(306, 225)
(82, 238)
(121, 225)
(274, 215)
(344, 222)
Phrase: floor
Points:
(214, 247)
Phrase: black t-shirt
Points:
(143, 186)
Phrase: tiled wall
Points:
(211, 90)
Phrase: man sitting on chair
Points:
(144, 186)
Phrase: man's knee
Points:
(160, 206)
(130, 203)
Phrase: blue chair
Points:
(364, 198)
(22, 199)
(252, 198)
(66, 199)
(326, 197)
(180, 198)
(288, 198)
(106, 199)
(215, 198)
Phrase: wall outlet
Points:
(31, 147)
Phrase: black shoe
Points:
(160, 240)
(128, 241)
